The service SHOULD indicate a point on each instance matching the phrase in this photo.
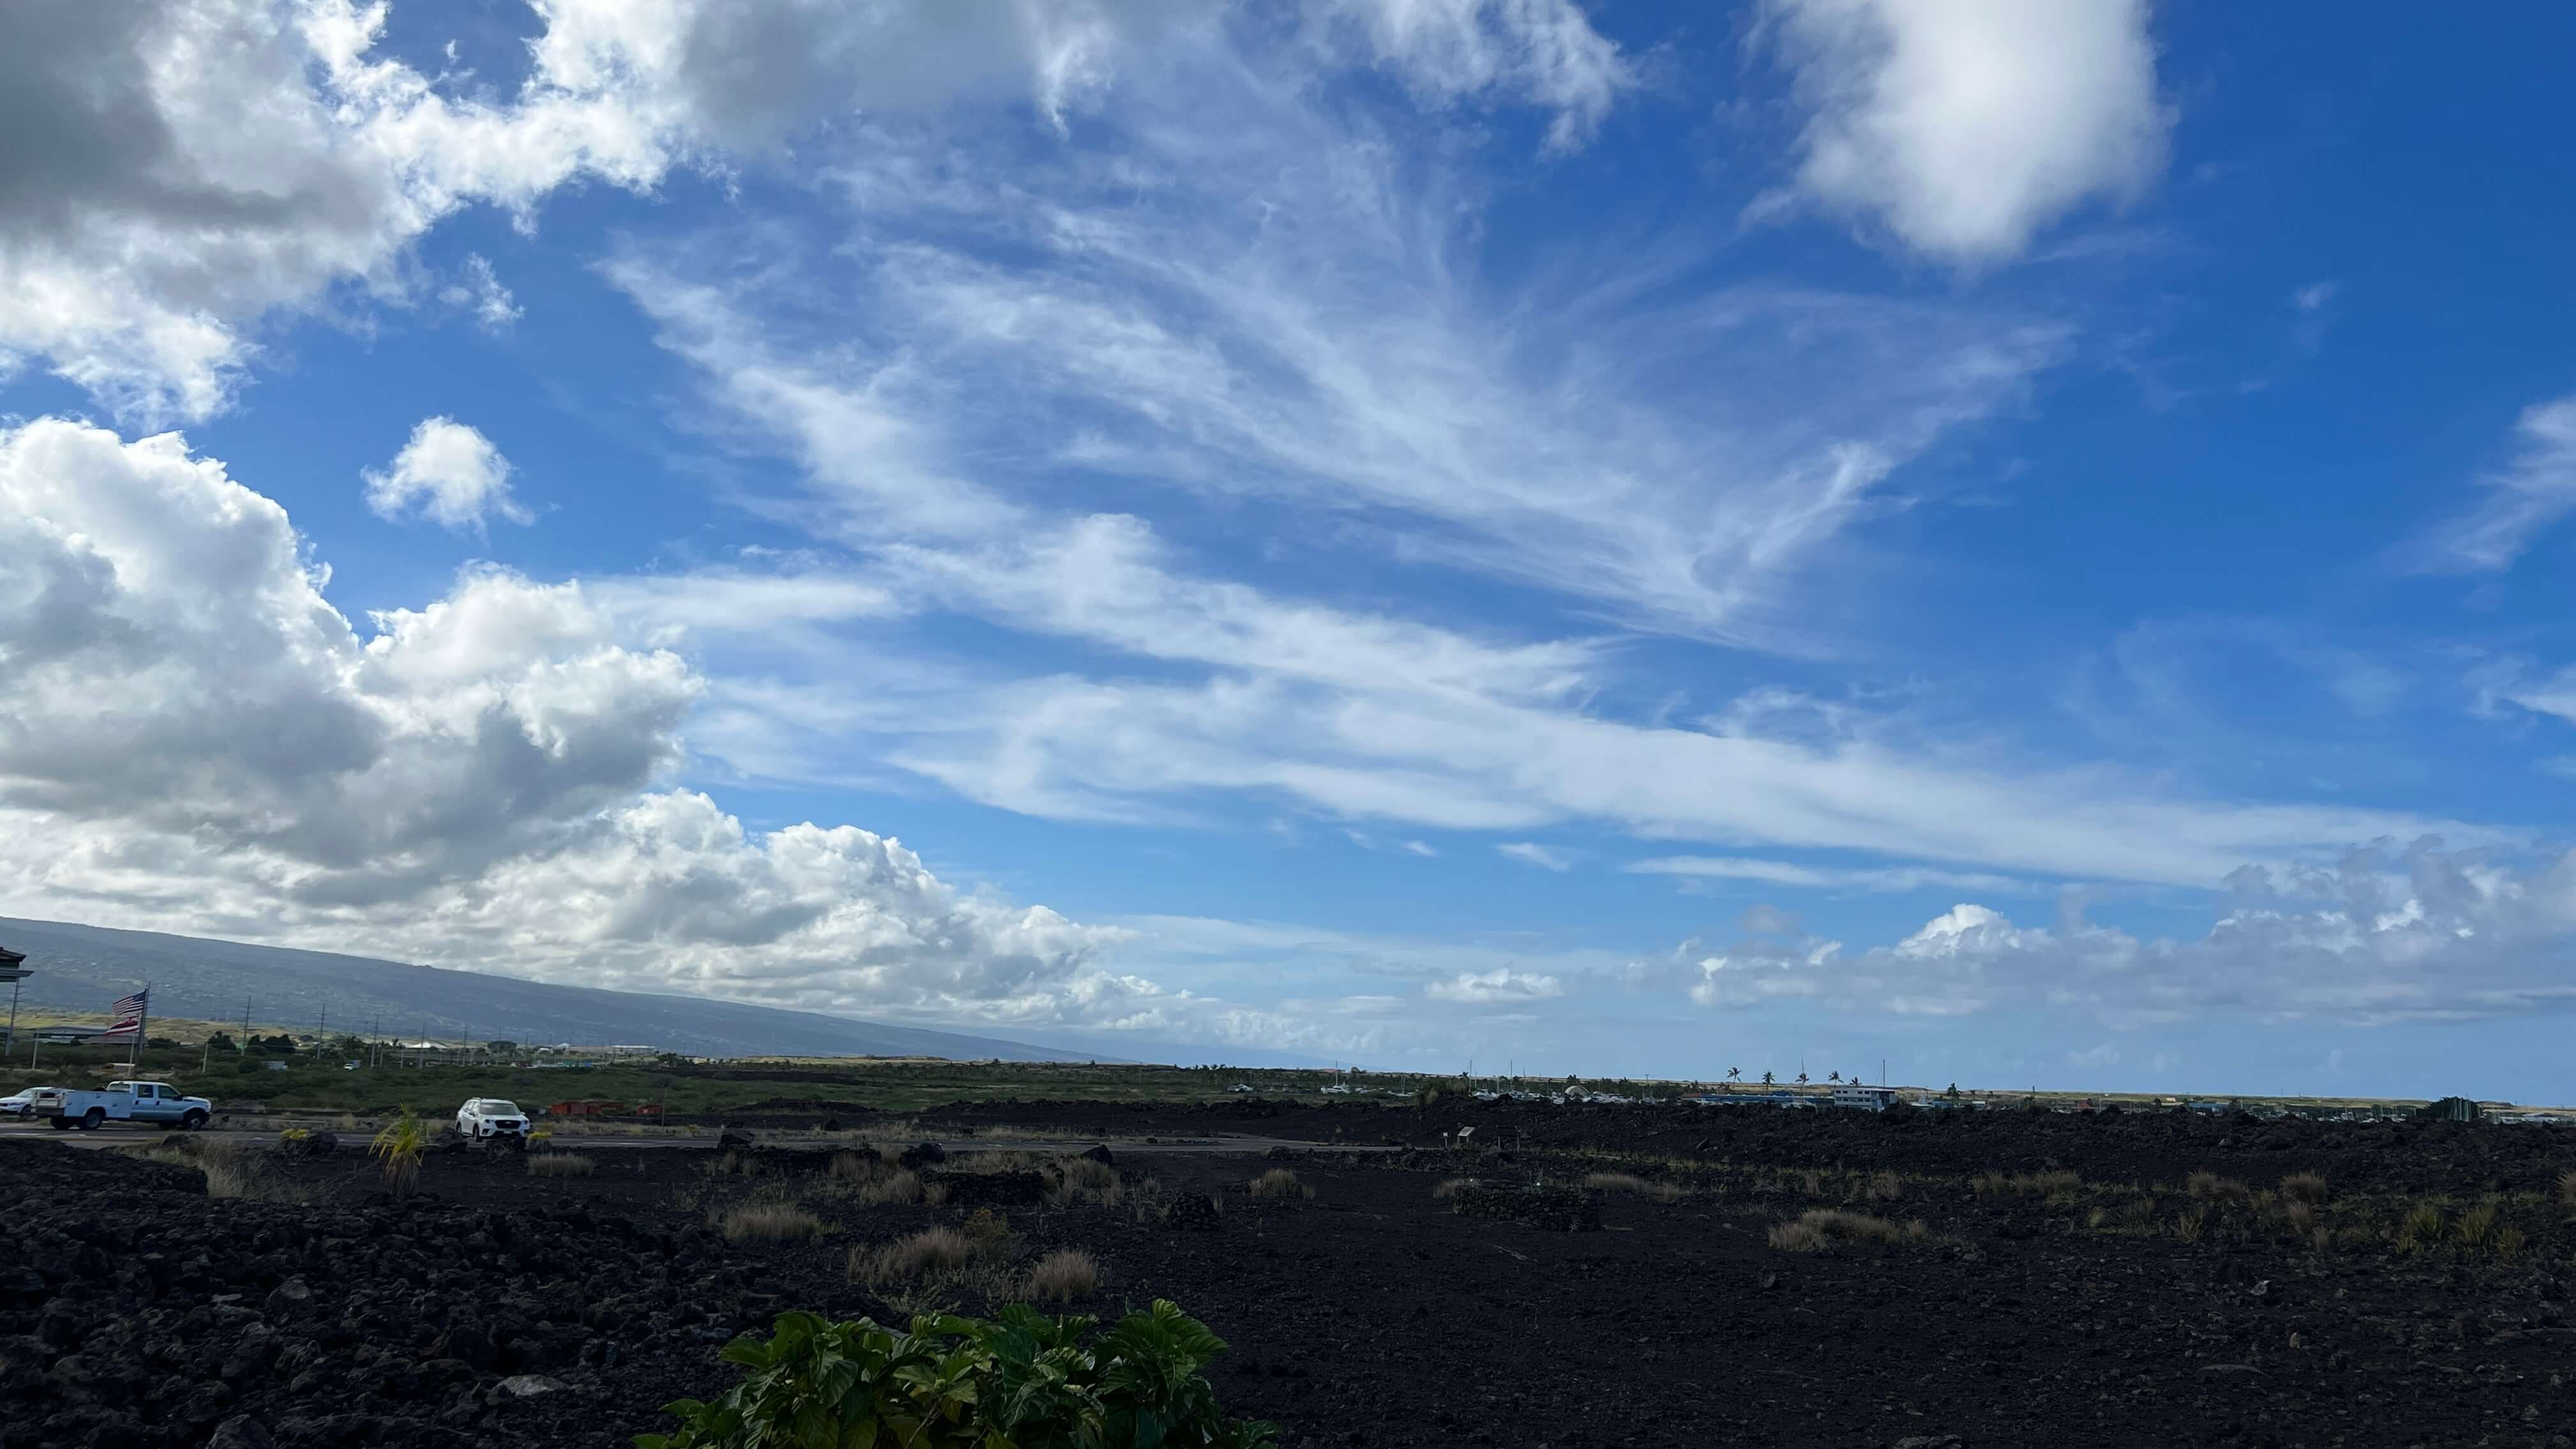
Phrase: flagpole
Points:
(142, 1020)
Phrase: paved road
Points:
(115, 1136)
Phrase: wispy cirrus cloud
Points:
(1529, 853)
(2532, 489)
(1815, 877)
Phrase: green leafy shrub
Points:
(1020, 1379)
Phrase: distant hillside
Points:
(83, 968)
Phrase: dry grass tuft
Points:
(2476, 1225)
(232, 1171)
(1882, 1187)
(872, 1183)
(2299, 1213)
(1083, 1180)
(2025, 1184)
(2210, 1184)
(560, 1164)
(1629, 1182)
(2508, 1243)
(1448, 1188)
(988, 1233)
(2304, 1187)
(2189, 1226)
(1817, 1229)
(1280, 1182)
(930, 1250)
(2567, 1188)
(1064, 1275)
(1796, 1238)
(1084, 1172)
(769, 1222)
(2421, 1226)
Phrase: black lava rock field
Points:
(1755, 1278)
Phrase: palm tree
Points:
(1802, 1079)
(1833, 1076)
(1766, 1079)
(1734, 1073)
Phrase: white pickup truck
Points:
(159, 1103)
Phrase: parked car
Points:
(159, 1103)
(489, 1119)
(23, 1104)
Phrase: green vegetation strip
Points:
(1020, 1380)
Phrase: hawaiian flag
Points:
(127, 1014)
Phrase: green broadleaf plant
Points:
(1021, 1380)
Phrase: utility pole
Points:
(13, 969)
(245, 1041)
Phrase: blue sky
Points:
(2021, 540)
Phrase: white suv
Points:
(486, 1119)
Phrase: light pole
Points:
(13, 969)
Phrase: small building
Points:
(72, 1035)
(1866, 1099)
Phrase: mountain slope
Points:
(83, 968)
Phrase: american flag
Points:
(128, 1014)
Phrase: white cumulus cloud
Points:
(1964, 126)
(195, 739)
(2413, 932)
(451, 473)
(1502, 984)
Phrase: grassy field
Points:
(389, 1078)
(307, 1083)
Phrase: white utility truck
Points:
(158, 1103)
